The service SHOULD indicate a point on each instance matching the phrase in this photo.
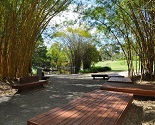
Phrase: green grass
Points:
(115, 65)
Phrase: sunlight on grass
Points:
(115, 65)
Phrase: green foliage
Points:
(130, 23)
(75, 40)
(39, 58)
(119, 65)
(103, 69)
(57, 55)
(110, 52)
(59, 34)
(21, 23)
(80, 32)
(96, 69)
(91, 55)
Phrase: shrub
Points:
(93, 70)
(106, 68)
(96, 69)
(84, 71)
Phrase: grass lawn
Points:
(115, 65)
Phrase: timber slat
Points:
(97, 107)
(139, 90)
(120, 80)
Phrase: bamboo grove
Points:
(21, 22)
(138, 19)
(131, 23)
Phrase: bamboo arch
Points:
(21, 22)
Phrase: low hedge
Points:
(96, 69)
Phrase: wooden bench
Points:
(104, 76)
(95, 108)
(135, 89)
(29, 82)
(120, 80)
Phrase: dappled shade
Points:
(97, 107)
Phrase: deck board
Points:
(139, 90)
(97, 107)
(115, 75)
(120, 79)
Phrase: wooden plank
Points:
(104, 109)
(69, 106)
(92, 112)
(104, 76)
(26, 86)
(92, 108)
(113, 111)
(29, 79)
(140, 90)
(115, 75)
(121, 110)
(120, 80)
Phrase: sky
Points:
(59, 19)
(68, 15)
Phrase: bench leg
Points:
(93, 78)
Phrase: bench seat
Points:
(98, 107)
(104, 76)
(29, 85)
(28, 82)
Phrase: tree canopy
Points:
(79, 44)
(132, 25)
(57, 56)
(128, 23)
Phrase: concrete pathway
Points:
(17, 109)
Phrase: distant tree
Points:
(110, 51)
(90, 55)
(57, 56)
(40, 58)
(73, 39)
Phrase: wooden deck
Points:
(95, 108)
(120, 80)
(140, 90)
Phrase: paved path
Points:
(16, 110)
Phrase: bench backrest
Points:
(29, 79)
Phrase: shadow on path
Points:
(16, 110)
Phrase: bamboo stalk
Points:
(22, 22)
